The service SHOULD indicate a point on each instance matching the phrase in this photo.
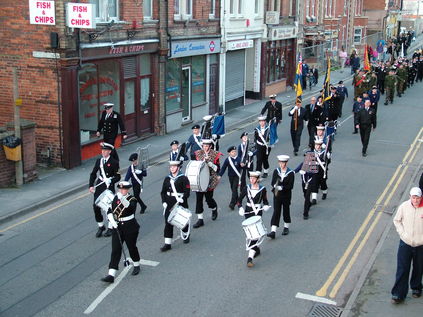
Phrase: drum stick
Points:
(99, 184)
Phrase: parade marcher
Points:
(246, 158)
(108, 175)
(357, 105)
(331, 106)
(322, 153)
(342, 92)
(233, 164)
(175, 191)
(402, 79)
(360, 83)
(390, 85)
(136, 176)
(299, 115)
(282, 184)
(262, 140)
(419, 76)
(177, 154)
(374, 96)
(194, 141)
(257, 202)
(412, 72)
(315, 118)
(125, 229)
(273, 110)
(110, 123)
(211, 157)
(381, 73)
(365, 121)
(408, 222)
(315, 73)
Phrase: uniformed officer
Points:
(262, 140)
(299, 115)
(125, 229)
(364, 121)
(390, 85)
(110, 122)
(282, 184)
(233, 164)
(108, 175)
(274, 110)
(402, 80)
(194, 141)
(175, 191)
(136, 176)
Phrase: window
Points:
(257, 7)
(275, 5)
(212, 9)
(236, 7)
(106, 10)
(232, 7)
(147, 8)
(173, 87)
(198, 79)
(183, 9)
(240, 8)
(279, 53)
(357, 35)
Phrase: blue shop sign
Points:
(194, 47)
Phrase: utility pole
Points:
(17, 102)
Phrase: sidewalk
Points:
(56, 184)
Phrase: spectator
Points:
(380, 48)
(342, 58)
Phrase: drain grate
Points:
(323, 310)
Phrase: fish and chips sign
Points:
(42, 12)
(80, 15)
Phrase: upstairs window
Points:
(147, 9)
(183, 10)
(106, 10)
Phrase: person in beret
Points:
(233, 164)
(136, 175)
(194, 141)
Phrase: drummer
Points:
(175, 191)
(247, 158)
(176, 154)
(234, 174)
(107, 169)
(211, 158)
(136, 176)
(262, 140)
(282, 184)
(256, 203)
(194, 141)
(121, 216)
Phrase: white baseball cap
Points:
(416, 191)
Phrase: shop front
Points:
(123, 75)
(191, 81)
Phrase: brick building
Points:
(375, 10)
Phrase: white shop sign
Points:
(42, 12)
(282, 33)
(80, 15)
(239, 45)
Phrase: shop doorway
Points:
(130, 117)
(186, 93)
(214, 107)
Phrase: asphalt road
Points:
(51, 263)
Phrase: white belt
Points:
(255, 205)
(126, 218)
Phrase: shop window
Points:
(147, 8)
(106, 10)
(145, 64)
(276, 61)
(198, 79)
(173, 89)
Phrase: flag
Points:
(219, 125)
(298, 78)
(326, 83)
(402, 50)
(366, 59)
(273, 135)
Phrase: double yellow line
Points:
(397, 178)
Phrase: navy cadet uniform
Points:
(299, 115)
(246, 158)
(342, 93)
(176, 153)
(194, 142)
(171, 199)
(136, 176)
(273, 108)
(234, 174)
(262, 138)
(126, 229)
(282, 185)
(108, 175)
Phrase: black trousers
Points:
(168, 229)
(137, 191)
(244, 175)
(365, 136)
(381, 86)
(311, 132)
(262, 158)
(199, 209)
(355, 115)
(111, 140)
(296, 138)
(307, 195)
(130, 238)
(340, 104)
(234, 182)
(281, 200)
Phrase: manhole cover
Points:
(323, 310)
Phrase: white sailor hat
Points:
(320, 127)
(174, 162)
(272, 96)
(283, 158)
(108, 105)
(255, 174)
(106, 146)
(317, 141)
(124, 185)
(416, 191)
(208, 117)
(207, 141)
(261, 118)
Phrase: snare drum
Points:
(198, 175)
(104, 201)
(179, 216)
(254, 228)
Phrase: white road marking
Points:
(112, 286)
(347, 118)
(315, 298)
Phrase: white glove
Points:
(323, 146)
(266, 207)
(164, 205)
(125, 202)
(112, 220)
(119, 195)
(241, 211)
(180, 200)
(279, 188)
(138, 172)
(302, 172)
(182, 158)
(250, 153)
(107, 181)
(214, 136)
(328, 155)
(212, 166)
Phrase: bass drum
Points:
(198, 175)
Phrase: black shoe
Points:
(198, 224)
(136, 270)
(364, 154)
(108, 232)
(264, 175)
(214, 214)
(416, 294)
(396, 300)
(285, 231)
(143, 209)
(305, 217)
(166, 247)
(296, 153)
(386, 103)
(324, 196)
(231, 207)
(100, 232)
(186, 240)
(250, 262)
(108, 279)
(272, 235)
(313, 201)
(355, 132)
